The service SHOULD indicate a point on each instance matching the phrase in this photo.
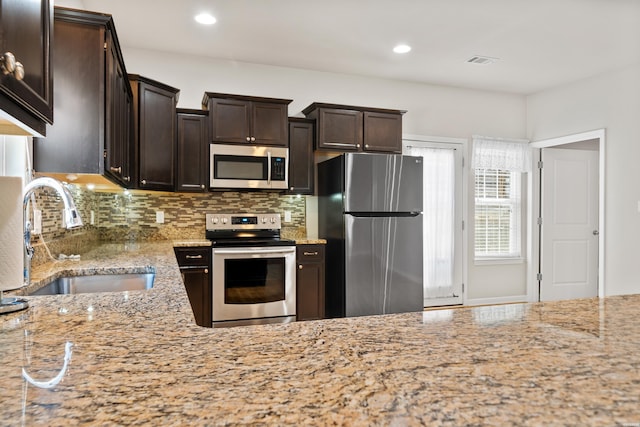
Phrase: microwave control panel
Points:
(278, 168)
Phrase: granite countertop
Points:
(139, 358)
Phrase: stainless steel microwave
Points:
(249, 167)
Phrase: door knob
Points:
(596, 232)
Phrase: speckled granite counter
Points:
(138, 358)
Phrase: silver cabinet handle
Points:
(193, 257)
(116, 170)
(127, 178)
(9, 65)
(310, 253)
(596, 232)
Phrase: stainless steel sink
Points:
(97, 283)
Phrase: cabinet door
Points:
(118, 118)
(382, 132)
(197, 284)
(269, 124)
(75, 142)
(26, 33)
(157, 137)
(301, 157)
(339, 130)
(193, 147)
(230, 120)
(310, 294)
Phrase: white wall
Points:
(610, 101)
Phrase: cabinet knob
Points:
(9, 65)
(116, 170)
(202, 186)
(299, 266)
(357, 145)
(143, 182)
(253, 138)
(291, 189)
(127, 178)
(19, 71)
(366, 146)
(248, 139)
(206, 271)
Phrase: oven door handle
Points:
(254, 250)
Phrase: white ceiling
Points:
(540, 43)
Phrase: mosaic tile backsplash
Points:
(129, 216)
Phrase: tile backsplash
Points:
(129, 216)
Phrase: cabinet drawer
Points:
(309, 253)
(193, 256)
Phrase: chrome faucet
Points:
(71, 216)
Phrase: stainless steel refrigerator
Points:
(370, 213)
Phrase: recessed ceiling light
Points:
(205, 19)
(402, 48)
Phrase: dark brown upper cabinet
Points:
(154, 133)
(26, 78)
(92, 130)
(301, 136)
(193, 150)
(348, 128)
(239, 119)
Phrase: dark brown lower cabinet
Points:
(195, 265)
(310, 282)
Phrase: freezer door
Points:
(383, 265)
(382, 183)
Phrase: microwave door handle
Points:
(269, 167)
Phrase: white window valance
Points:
(502, 154)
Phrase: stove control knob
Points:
(215, 220)
(224, 220)
(264, 220)
(273, 220)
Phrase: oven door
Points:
(253, 283)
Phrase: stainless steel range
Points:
(253, 270)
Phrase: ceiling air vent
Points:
(482, 60)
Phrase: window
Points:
(497, 213)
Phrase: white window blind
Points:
(497, 213)
(498, 164)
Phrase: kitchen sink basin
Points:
(97, 283)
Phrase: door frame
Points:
(463, 145)
(533, 231)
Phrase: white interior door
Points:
(442, 228)
(569, 230)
